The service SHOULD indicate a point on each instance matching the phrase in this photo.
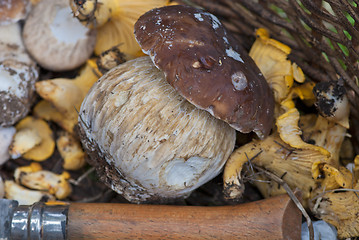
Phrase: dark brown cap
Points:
(206, 66)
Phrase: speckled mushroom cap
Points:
(18, 74)
(56, 39)
(12, 11)
(206, 66)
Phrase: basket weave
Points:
(323, 35)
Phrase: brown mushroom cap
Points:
(205, 65)
(12, 11)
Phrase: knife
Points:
(273, 218)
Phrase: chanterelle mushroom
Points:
(55, 39)
(205, 65)
(114, 20)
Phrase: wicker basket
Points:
(323, 35)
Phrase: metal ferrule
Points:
(39, 221)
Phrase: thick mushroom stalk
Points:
(206, 66)
(146, 141)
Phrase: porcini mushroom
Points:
(183, 41)
(147, 141)
(55, 39)
(18, 74)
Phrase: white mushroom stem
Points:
(6, 135)
(155, 143)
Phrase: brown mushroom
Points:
(147, 141)
(206, 66)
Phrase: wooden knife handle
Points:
(273, 218)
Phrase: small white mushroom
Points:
(55, 39)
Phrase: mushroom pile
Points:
(304, 148)
(48, 63)
(155, 96)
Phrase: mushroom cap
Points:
(206, 66)
(12, 11)
(145, 140)
(332, 102)
(18, 74)
(55, 39)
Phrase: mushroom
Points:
(6, 135)
(71, 151)
(18, 74)
(45, 110)
(270, 56)
(146, 140)
(332, 102)
(55, 39)
(34, 177)
(33, 140)
(11, 11)
(23, 195)
(183, 41)
(340, 208)
(304, 148)
(304, 151)
(114, 21)
(64, 97)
